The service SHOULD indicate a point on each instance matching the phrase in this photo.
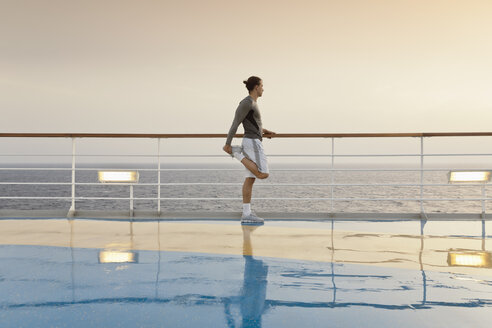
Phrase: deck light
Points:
(118, 176)
(470, 259)
(469, 176)
(117, 257)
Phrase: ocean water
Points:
(262, 189)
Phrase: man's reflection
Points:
(253, 292)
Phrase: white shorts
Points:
(253, 150)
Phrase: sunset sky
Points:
(177, 66)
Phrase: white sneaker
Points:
(236, 149)
(252, 219)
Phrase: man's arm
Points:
(267, 132)
(241, 113)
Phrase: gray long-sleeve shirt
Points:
(247, 113)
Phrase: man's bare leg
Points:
(248, 190)
(248, 217)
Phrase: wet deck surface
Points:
(79, 273)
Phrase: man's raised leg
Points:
(250, 165)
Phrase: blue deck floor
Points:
(224, 275)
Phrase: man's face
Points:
(259, 89)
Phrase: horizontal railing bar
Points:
(27, 197)
(84, 155)
(220, 135)
(108, 169)
(155, 156)
(406, 155)
(34, 169)
(80, 183)
(225, 169)
(343, 199)
(259, 198)
(327, 170)
(240, 184)
(378, 170)
(36, 183)
(225, 156)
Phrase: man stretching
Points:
(250, 154)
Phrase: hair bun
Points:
(245, 82)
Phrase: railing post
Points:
(483, 201)
(422, 176)
(332, 207)
(159, 176)
(483, 233)
(131, 199)
(71, 211)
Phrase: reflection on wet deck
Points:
(196, 274)
(324, 242)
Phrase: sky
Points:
(151, 66)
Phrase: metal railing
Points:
(331, 169)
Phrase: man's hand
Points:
(268, 132)
(227, 149)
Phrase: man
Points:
(251, 153)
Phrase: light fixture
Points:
(469, 176)
(118, 257)
(118, 176)
(470, 259)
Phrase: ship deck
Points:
(217, 273)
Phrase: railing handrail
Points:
(222, 135)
